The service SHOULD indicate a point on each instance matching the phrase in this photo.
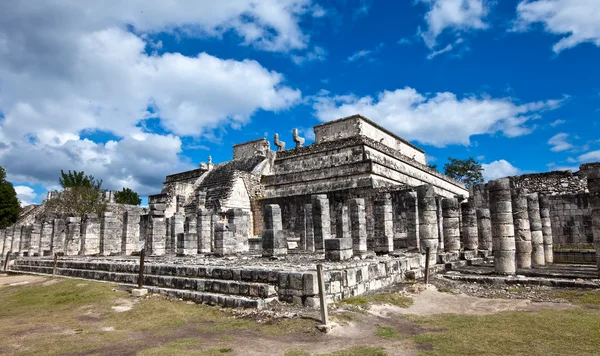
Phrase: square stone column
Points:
(338, 249)
(342, 223)
(321, 220)
(36, 236)
(205, 232)
(131, 232)
(384, 224)
(187, 240)
(440, 224)
(90, 241)
(307, 239)
(46, 238)
(73, 239)
(240, 220)
(358, 226)
(25, 247)
(16, 242)
(111, 230)
(593, 178)
(157, 234)
(225, 241)
(273, 240)
(8, 239)
(59, 232)
(412, 220)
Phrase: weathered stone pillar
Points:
(342, 223)
(412, 220)
(273, 240)
(204, 226)
(546, 229)
(131, 232)
(535, 225)
(59, 231)
(503, 230)
(451, 225)
(3, 249)
(187, 240)
(110, 234)
(307, 239)
(8, 239)
(522, 229)
(428, 229)
(90, 241)
(484, 230)
(16, 242)
(383, 223)
(24, 249)
(338, 249)
(321, 220)
(176, 227)
(240, 220)
(157, 233)
(225, 242)
(593, 178)
(46, 238)
(73, 239)
(34, 241)
(440, 224)
(358, 226)
(469, 225)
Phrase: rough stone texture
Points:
(537, 237)
(451, 226)
(204, 230)
(552, 183)
(594, 186)
(342, 222)
(307, 239)
(358, 226)
(484, 230)
(412, 220)
(469, 225)
(8, 240)
(59, 234)
(273, 239)
(46, 238)
(176, 227)
(428, 229)
(338, 249)
(16, 243)
(111, 230)
(3, 248)
(503, 231)
(546, 228)
(73, 236)
(90, 240)
(156, 236)
(240, 220)
(187, 242)
(480, 195)
(131, 232)
(522, 228)
(440, 224)
(384, 224)
(225, 241)
(321, 220)
(34, 239)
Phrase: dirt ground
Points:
(122, 325)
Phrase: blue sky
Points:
(133, 91)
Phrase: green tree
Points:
(433, 166)
(10, 207)
(82, 195)
(127, 196)
(468, 171)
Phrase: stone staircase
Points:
(226, 287)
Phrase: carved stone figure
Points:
(299, 140)
(280, 144)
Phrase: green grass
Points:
(386, 298)
(360, 351)
(587, 298)
(549, 332)
(387, 332)
(295, 352)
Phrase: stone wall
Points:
(554, 182)
(571, 216)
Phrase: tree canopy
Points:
(10, 207)
(78, 179)
(82, 195)
(467, 171)
(127, 196)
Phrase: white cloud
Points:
(317, 54)
(577, 20)
(76, 69)
(593, 156)
(456, 15)
(362, 9)
(499, 169)
(559, 142)
(438, 119)
(557, 122)
(364, 53)
(448, 48)
(25, 194)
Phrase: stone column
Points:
(358, 226)
(157, 233)
(46, 238)
(111, 230)
(383, 223)
(16, 242)
(307, 240)
(546, 229)
(451, 226)
(412, 220)
(342, 223)
(428, 229)
(131, 232)
(440, 224)
(225, 242)
(90, 241)
(204, 227)
(321, 220)
(338, 249)
(484, 230)
(36, 236)
(176, 223)
(73, 236)
(535, 225)
(593, 177)
(522, 229)
(240, 220)
(469, 225)
(8, 239)
(273, 240)
(59, 236)
(25, 247)
(3, 249)
(187, 240)
(503, 230)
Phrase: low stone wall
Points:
(574, 256)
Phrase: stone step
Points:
(512, 280)
(456, 264)
(250, 289)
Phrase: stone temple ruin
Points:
(360, 200)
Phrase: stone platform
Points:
(248, 281)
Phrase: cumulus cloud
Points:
(439, 119)
(71, 67)
(499, 169)
(456, 15)
(592, 156)
(576, 20)
(25, 194)
(559, 142)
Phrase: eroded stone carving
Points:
(280, 144)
